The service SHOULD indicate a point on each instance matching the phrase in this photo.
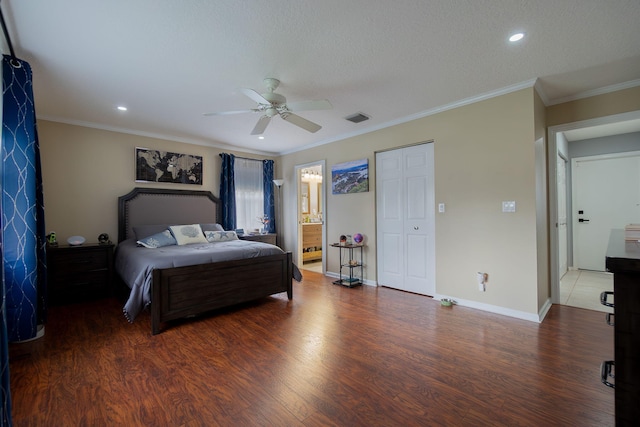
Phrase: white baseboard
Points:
(501, 310)
(478, 305)
(544, 310)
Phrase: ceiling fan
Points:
(271, 104)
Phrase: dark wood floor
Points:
(333, 356)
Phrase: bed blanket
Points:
(135, 264)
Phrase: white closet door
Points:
(405, 206)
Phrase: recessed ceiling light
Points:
(261, 137)
(121, 108)
(516, 37)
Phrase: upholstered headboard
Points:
(148, 206)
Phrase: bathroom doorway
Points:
(311, 216)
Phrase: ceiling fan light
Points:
(271, 112)
(272, 104)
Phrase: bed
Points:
(180, 289)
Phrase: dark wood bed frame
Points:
(182, 292)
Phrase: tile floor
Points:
(582, 288)
(313, 266)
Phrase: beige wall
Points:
(85, 170)
(609, 104)
(484, 154)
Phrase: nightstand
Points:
(79, 273)
(264, 238)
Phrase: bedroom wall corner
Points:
(484, 154)
(85, 170)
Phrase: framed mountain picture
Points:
(350, 177)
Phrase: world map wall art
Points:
(164, 166)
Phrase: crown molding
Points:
(172, 138)
(420, 115)
(595, 92)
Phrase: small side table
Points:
(353, 265)
(79, 273)
(265, 238)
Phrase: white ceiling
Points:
(171, 61)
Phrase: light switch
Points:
(509, 206)
(441, 207)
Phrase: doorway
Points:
(563, 242)
(311, 216)
(559, 137)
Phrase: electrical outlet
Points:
(509, 206)
(480, 278)
(482, 281)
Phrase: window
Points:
(248, 175)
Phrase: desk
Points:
(623, 260)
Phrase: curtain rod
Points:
(14, 60)
(244, 158)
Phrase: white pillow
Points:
(220, 236)
(187, 234)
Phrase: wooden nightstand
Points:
(265, 238)
(79, 273)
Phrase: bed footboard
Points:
(187, 291)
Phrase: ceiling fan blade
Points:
(261, 125)
(301, 122)
(226, 113)
(255, 96)
(318, 104)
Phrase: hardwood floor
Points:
(333, 356)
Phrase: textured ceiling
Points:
(171, 61)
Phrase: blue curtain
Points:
(269, 205)
(23, 227)
(23, 230)
(228, 192)
(5, 392)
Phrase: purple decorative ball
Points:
(358, 238)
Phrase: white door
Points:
(405, 208)
(561, 182)
(606, 196)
